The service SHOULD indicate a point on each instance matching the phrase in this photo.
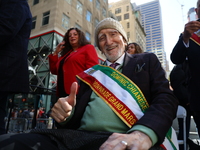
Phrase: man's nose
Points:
(109, 40)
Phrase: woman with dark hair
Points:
(72, 56)
(134, 48)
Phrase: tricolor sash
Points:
(195, 38)
(123, 96)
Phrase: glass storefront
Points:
(42, 82)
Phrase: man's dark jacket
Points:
(178, 56)
(151, 80)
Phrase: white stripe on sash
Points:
(123, 95)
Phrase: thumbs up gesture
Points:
(63, 107)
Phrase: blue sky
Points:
(174, 17)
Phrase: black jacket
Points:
(178, 56)
(15, 27)
(155, 87)
(179, 80)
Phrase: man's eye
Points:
(113, 33)
(101, 38)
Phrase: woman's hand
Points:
(59, 48)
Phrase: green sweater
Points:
(110, 122)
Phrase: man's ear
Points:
(126, 43)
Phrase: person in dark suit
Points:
(15, 27)
(188, 46)
(129, 107)
(179, 79)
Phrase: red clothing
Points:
(40, 113)
(78, 61)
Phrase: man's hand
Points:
(135, 141)
(190, 28)
(63, 107)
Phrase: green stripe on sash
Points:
(126, 84)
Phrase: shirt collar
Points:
(119, 60)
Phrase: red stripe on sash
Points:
(195, 38)
(117, 105)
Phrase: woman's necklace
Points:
(73, 51)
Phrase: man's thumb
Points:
(72, 96)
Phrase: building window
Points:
(127, 8)
(79, 7)
(65, 21)
(119, 18)
(69, 1)
(88, 36)
(104, 12)
(77, 26)
(97, 4)
(96, 22)
(128, 25)
(88, 16)
(128, 35)
(126, 16)
(90, 0)
(35, 2)
(33, 22)
(117, 10)
(46, 18)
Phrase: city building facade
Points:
(50, 21)
(130, 18)
(152, 23)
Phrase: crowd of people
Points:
(124, 103)
(21, 119)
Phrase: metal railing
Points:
(41, 90)
(24, 125)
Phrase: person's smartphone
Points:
(198, 19)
